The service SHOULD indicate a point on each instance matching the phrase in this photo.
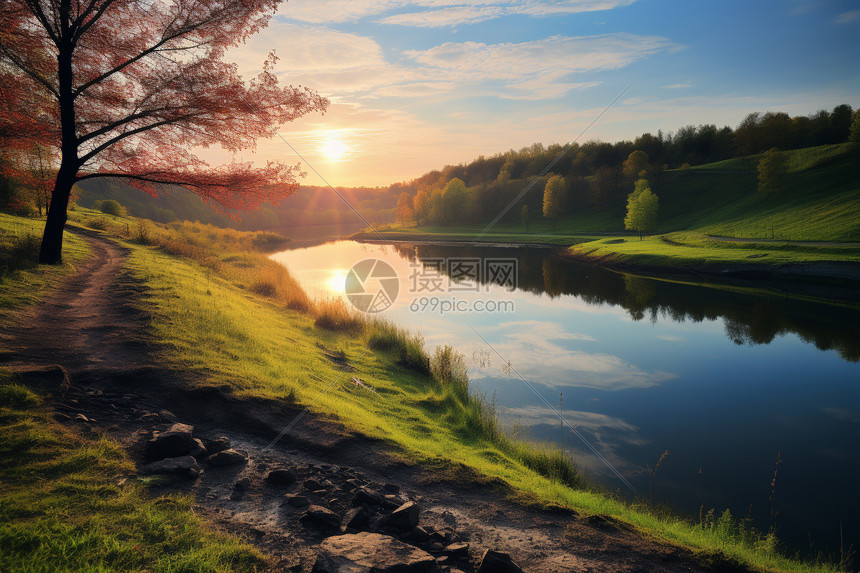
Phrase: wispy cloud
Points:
(436, 13)
(848, 17)
(680, 86)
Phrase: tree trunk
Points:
(51, 252)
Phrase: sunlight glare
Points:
(337, 282)
(333, 148)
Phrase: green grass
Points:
(67, 504)
(222, 334)
(22, 281)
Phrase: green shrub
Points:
(21, 253)
(111, 207)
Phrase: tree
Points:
(127, 88)
(772, 172)
(455, 201)
(421, 207)
(642, 206)
(854, 134)
(636, 163)
(524, 217)
(404, 213)
(553, 198)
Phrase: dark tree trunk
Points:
(51, 252)
(52, 240)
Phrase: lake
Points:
(727, 379)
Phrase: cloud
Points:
(848, 17)
(538, 68)
(680, 86)
(435, 13)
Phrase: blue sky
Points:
(417, 84)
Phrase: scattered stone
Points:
(81, 418)
(419, 535)
(371, 553)
(198, 450)
(299, 501)
(405, 517)
(242, 484)
(357, 518)
(497, 562)
(184, 466)
(282, 477)
(227, 458)
(322, 517)
(391, 488)
(457, 550)
(176, 441)
(149, 417)
(312, 485)
(168, 416)
(366, 496)
(218, 444)
(391, 502)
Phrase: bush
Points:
(21, 253)
(111, 207)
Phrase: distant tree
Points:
(421, 207)
(524, 217)
(635, 163)
(455, 201)
(854, 134)
(772, 172)
(553, 198)
(404, 214)
(642, 206)
(112, 207)
(130, 89)
(40, 175)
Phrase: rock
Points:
(356, 518)
(457, 550)
(149, 417)
(405, 517)
(242, 484)
(184, 466)
(312, 485)
(366, 496)
(419, 535)
(167, 415)
(227, 458)
(176, 441)
(299, 501)
(218, 444)
(322, 517)
(81, 418)
(282, 477)
(497, 562)
(371, 553)
(391, 488)
(198, 450)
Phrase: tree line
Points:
(597, 176)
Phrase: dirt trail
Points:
(91, 327)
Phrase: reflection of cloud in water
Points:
(529, 347)
(604, 432)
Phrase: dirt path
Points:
(91, 327)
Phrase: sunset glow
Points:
(333, 148)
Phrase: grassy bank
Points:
(66, 504)
(214, 324)
(701, 205)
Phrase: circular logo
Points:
(371, 285)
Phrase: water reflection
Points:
(749, 316)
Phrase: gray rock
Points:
(184, 466)
(322, 517)
(458, 549)
(357, 518)
(366, 496)
(299, 501)
(282, 477)
(198, 450)
(176, 441)
(242, 484)
(227, 458)
(313, 485)
(405, 517)
(167, 416)
(218, 444)
(419, 535)
(371, 553)
(497, 562)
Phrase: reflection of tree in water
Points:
(748, 318)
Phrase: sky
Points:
(418, 84)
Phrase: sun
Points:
(337, 281)
(333, 148)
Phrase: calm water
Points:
(725, 380)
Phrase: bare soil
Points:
(108, 371)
